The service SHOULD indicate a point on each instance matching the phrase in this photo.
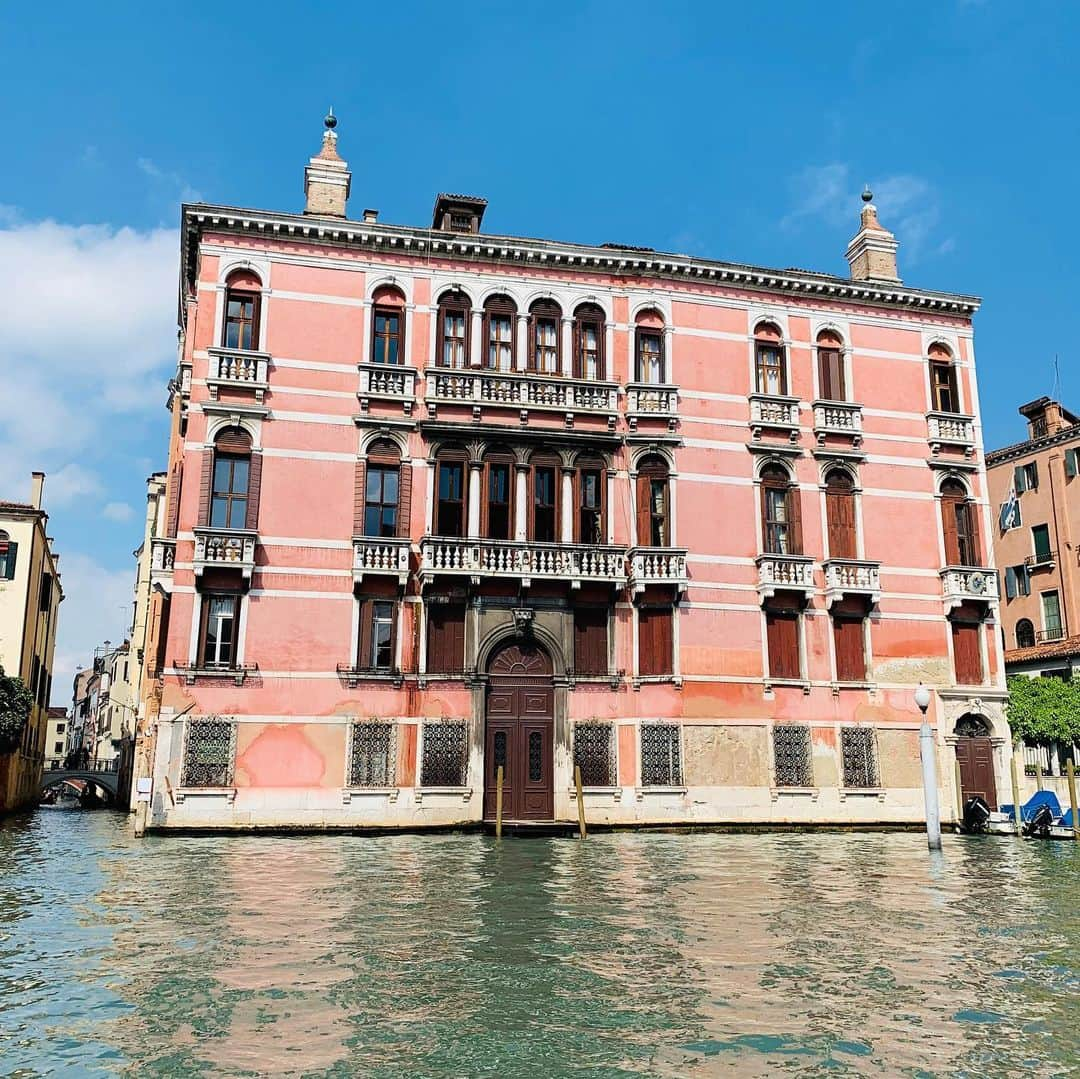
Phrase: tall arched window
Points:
(499, 494)
(589, 342)
(1025, 633)
(653, 503)
(780, 517)
(958, 524)
(546, 507)
(649, 347)
(500, 318)
(944, 396)
(231, 485)
(591, 520)
(388, 326)
(382, 490)
(450, 506)
(544, 344)
(242, 301)
(840, 513)
(770, 367)
(830, 356)
(452, 349)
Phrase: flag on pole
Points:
(1010, 510)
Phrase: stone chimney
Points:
(872, 254)
(37, 486)
(327, 177)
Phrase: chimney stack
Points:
(327, 178)
(37, 486)
(872, 254)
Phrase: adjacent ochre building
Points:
(444, 503)
(30, 596)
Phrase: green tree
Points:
(1042, 710)
(15, 705)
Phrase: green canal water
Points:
(626, 955)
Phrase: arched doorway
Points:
(520, 733)
(975, 753)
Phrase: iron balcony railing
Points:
(1051, 633)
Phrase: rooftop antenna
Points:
(1057, 381)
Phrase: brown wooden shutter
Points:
(644, 531)
(363, 657)
(404, 499)
(967, 657)
(590, 640)
(850, 651)
(782, 638)
(655, 640)
(831, 373)
(840, 514)
(952, 538)
(256, 319)
(233, 440)
(205, 486)
(446, 637)
(794, 500)
(172, 514)
(254, 491)
(359, 497)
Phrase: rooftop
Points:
(1070, 646)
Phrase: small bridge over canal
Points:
(103, 774)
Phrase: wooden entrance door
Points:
(520, 734)
(975, 753)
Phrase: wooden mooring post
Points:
(1070, 771)
(1016, 793)
(498, 801)
(580, 801)
(958, 782)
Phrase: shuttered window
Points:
(831, 374)
(453, 329)
(781, 517)
(219, 630)
(387, 335)
(782, 640)
(450, 510)
(943, 386)
(9, 550)
(850, 644)
(655, 641)
(840, 513)
(378, 634)
(445, 637)
(650, 357)
(589, 342)
(545, 338)
(498, 503)
(241, 330)
(653, 501)
(770, 373)
(967, 657)
(591, 640)
(545, 516)
(590, 490)
(500, 319)
(958, 525)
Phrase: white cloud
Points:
(117, 511)
(168, 179)
(71, 483)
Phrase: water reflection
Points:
(454, 955)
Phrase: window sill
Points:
(642, 791)
(657, 680)
(180, 794)
(238, 674)
(796, 792)
(862, 792)
(867, 686)
(464, 793)
(614, 792)
(788, 683)
(349, 793)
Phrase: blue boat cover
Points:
(1029, 808)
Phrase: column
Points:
(609, 351)
(567, 346)
(475, 335)
(669, 337)
(476, 481)
(409, 351)
(521, 501)
(566, 530)
(522, 343)
(609, 506)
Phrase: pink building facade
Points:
(443, 502)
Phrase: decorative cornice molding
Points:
(1034, 445)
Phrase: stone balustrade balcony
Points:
(948, 429)
(162, 560)
(224, 548)
(784, 573)
(774, 412)
(657, 566)
(968, 584)
(483, 388)
(650, 401)
(838, 418)
(852, 577)
(238, 369)
(522, 560)
(380, 556)
(387, 382)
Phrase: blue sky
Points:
(742, 132)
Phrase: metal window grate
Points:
(792, 760)
(594, 753)
(371, 754)
(445, 755)
(859, 752)
(209, 753)
(661, 756)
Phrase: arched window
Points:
(544, 350)
(944, 396)
(231, 479)
(382, 489)
(499, 494)
(840, 513)
(830, 355)
(590, 526)
(1025, 633)
(780, 518)
(453, 330)
(770, 368)
(500, 318)
(450, 515)
(8, 551)
(242, 301)
(545, 498)
(589, 342)
(653, 503)
(388, 326)
(958, 524)
(649, 347)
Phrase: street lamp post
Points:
(929, 772)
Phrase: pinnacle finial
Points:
(867, 195)
(330, 120)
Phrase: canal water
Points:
(626, 955)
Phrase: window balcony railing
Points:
(784, 573)
(486, 558)
(1051, 633)
(387, 382)
(963, 584)
(375, 556)
(482, 388)
(950, 429)
(852, 577)
(162, 559)
(774, 412)
(180, 385)
(647, 401)
(224, 548)
(838, 418)
(238, 369)
(659, 566)
(1041, 560)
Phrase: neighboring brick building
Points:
(441, 500)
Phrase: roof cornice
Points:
(198, 218)
(1032, 445)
